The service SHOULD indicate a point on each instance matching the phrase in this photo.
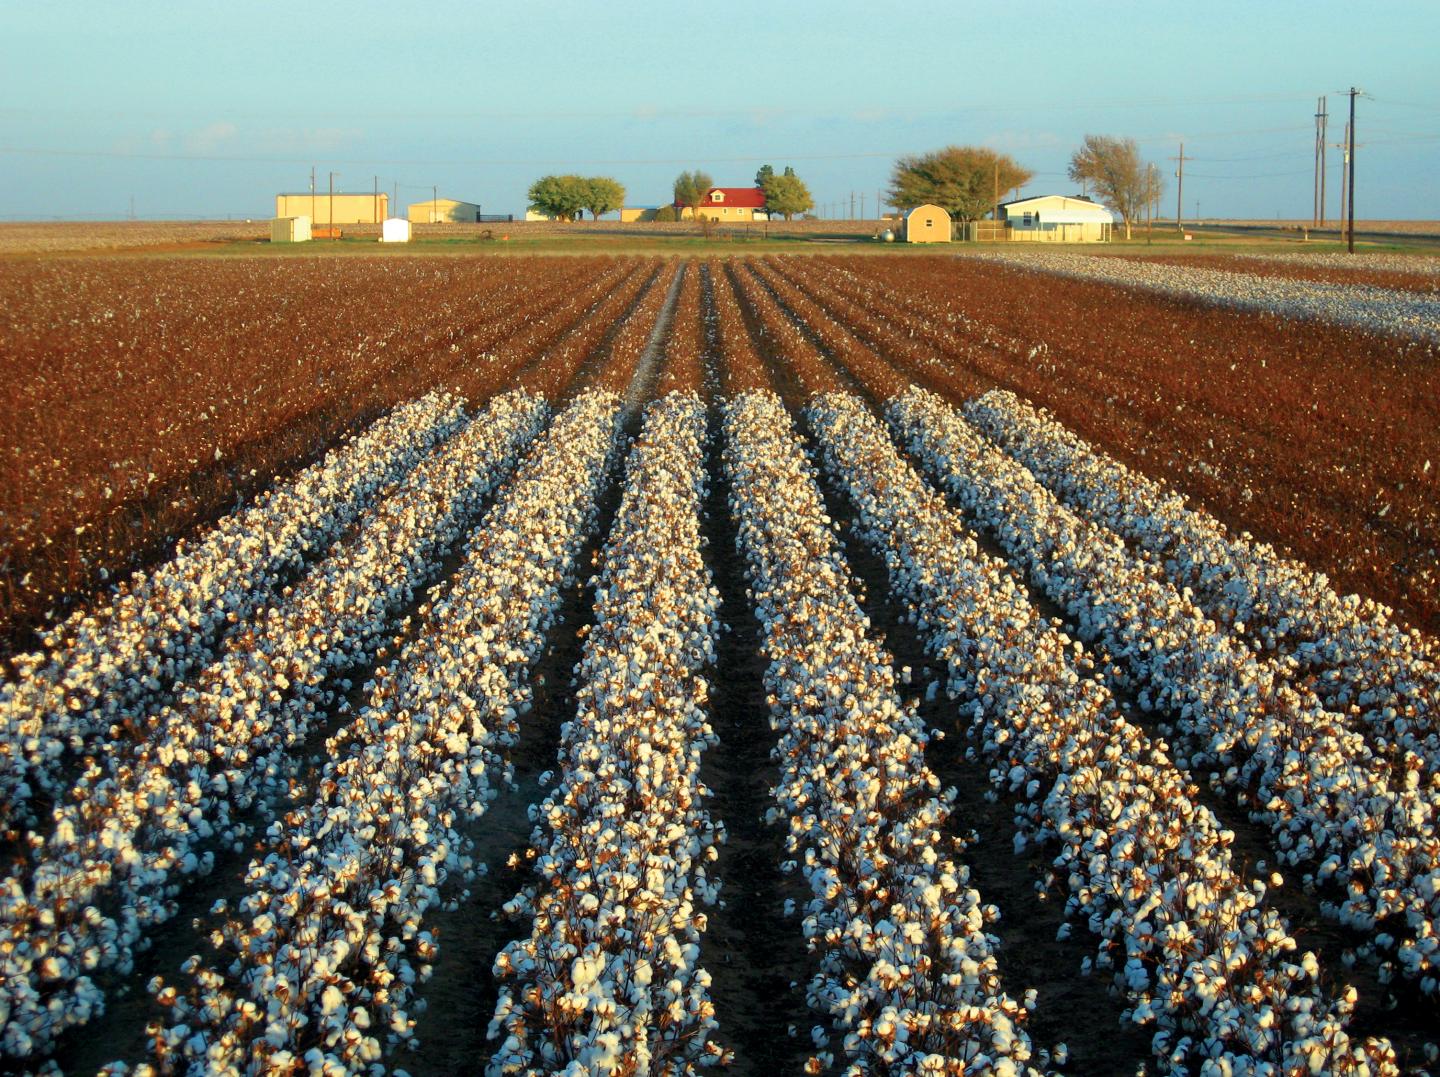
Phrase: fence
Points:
(1001, 232)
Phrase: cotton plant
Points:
(907, 976)
(150, 812)
(1353, 652)
(608, 979)
(320, 963)
(104, 670)
(1185, 935)
(1328, 796)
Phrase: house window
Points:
(1029, 218)
(929, 223)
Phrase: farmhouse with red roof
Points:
(729, 204)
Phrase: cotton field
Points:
(763, 665)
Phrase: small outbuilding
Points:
(443, 211)
(925, 224)
(1055, 218)
(629, 214)
(395, 230)
(290, 230)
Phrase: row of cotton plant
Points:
(608, 980)
(1354, 651)
(322, 957)
(99, 668)
(1349, 816)
(151, 810)
(1149, 871)
(907, 969)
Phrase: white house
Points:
(1055, 218)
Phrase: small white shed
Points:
(290, 229)
(395, 230)
(1055, 218)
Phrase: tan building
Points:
(637, 213)
(347, 208)
(925, 224)
(443, 211)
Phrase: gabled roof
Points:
(739, 197)
(1060, 208)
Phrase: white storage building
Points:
(1055, 218)
(395, 230)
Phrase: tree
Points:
(766, 171)
(965, 181)
(787, 194)
(603, 195)
(1121, 180)
(560, 196)
(691, 189)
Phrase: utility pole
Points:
(852, 205)
(862, 205)
(1180, 189)
(312, 196)
(332, 204)
(375, 206)
(434, 202)
(1350, 160)
(1321, 120)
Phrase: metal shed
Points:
(443, 211)
(290, 229)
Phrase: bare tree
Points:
(1121, 180)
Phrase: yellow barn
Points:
(926, 224)
(347, 208)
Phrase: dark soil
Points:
(754, 953)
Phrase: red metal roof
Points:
(739, 197)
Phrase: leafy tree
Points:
(766, 171)
(560, 196)
(691, 189)
(962, 180)
(603, 195)
(1113, 167)
(666, 214)
(787, 194)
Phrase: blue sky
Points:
(207, 109)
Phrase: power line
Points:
(882, 111)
